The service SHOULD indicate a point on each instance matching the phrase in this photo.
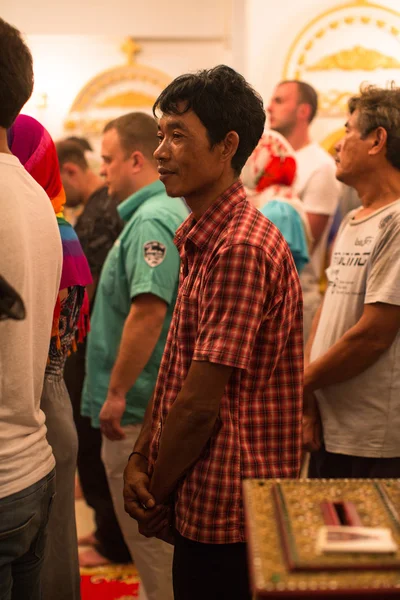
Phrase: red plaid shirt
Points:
(239, 304)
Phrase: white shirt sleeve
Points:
(383, 283)
(321, 193)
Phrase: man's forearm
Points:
(139, 338)
(142, 444)
(348, 357)
(184, 436)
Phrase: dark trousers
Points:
(23, 531)
(329, 465)
(92, 475)
(210, 571)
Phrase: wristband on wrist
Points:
(139, 454)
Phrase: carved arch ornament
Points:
(114, 92)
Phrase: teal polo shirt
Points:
(143, 260)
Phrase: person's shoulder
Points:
(100, 206)
(100, 194)
(389, 221)
(26, 213)
(248, 226)
(161, 207)
(20, 192)
(160, 214)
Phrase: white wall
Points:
(74, 40)
(64, 64)
(154, 18)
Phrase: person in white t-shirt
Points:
(30, 261)
(292, 108)
(354, 347)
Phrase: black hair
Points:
(223, 101)
(70, 151)
(16, 74)
(81, 141)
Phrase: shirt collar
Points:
(209, 226)
(131, 204)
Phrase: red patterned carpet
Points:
(113, 582)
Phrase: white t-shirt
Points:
(31, 261)
(318, 188)
(361, 416)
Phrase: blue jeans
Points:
(23, 522)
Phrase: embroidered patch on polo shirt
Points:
(154, 253)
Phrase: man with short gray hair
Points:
(354, 346)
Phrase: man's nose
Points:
(338, 146)
(102, 170)
(161, 152)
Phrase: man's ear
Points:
(378, 139)
(304, 111)
(229, 146)
(137, 161)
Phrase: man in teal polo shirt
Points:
(130, 321)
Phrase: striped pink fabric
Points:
(239, 304)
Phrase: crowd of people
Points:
(196, 254)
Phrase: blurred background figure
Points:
(292, 109)
(268, 177)
(97, 227)
(32, 144)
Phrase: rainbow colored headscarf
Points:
(31, 143)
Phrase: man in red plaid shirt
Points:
(228, 400)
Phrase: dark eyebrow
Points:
(175, 125)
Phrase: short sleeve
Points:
(321, 194)
(238, 295)
(151, 260)
(383, 282)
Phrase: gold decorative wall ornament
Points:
(114, 92)
(344, 47)
(358, 58)
(128, 100)
(329, 143)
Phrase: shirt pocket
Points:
(188, 317)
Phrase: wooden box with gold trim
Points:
(284, 519)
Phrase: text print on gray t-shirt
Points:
(361, 416)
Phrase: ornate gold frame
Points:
(319, 34)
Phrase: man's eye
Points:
(176, 135)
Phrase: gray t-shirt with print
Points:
(361, 416)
